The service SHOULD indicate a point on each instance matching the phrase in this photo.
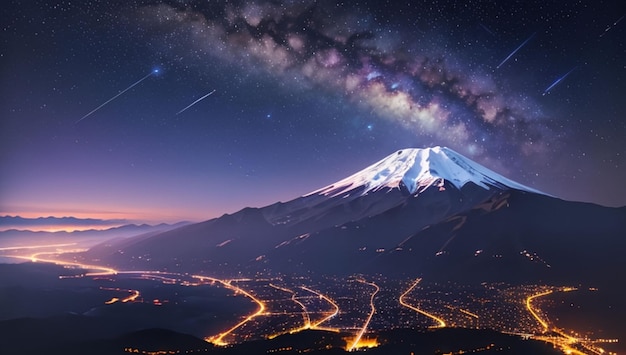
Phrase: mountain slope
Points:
(518, 237)
(388, 183)
(417, 211)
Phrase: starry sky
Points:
(172, 110)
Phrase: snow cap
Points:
(418, 169)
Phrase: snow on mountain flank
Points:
(419, 169)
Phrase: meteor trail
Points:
(487, 29)
(557, 81)
(515, 51)
(195, 102)
(155, 71)
(610, 27)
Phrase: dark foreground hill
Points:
(163, 341)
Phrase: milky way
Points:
(418, 84)
(306, 93)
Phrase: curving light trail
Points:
(440, 322)
(327, 299)
(134, 294)
(219, 339)
(305, 314)
(369, 318)
(35, 258)
(463, 311)
(566, 341)
(530, 309)
(466, 312)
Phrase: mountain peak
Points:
(417, 169)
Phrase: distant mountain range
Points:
(21, 223)
(124, 230)
(15, 238)
(417, 212)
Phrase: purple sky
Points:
(305, 95)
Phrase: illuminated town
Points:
(358, 307)
(319, 177)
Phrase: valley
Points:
(359, 308)
(425, 244)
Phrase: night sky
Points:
(306, 93)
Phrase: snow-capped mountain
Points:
(416, 211)
(439, 179)
(419, 169)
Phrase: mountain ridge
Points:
(367, 226)
(392, 182)
(419, 168)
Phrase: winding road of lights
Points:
(440, 322)
(359, 335)
(219, 339)
(558, 337)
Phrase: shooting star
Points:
(515, 51)
(610, 27)
(557, 81)
(195, 102)
(487, 29)
(155, 71)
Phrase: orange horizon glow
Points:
(107, 220)
(62, 228)
(128, 217)
(134, 215)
